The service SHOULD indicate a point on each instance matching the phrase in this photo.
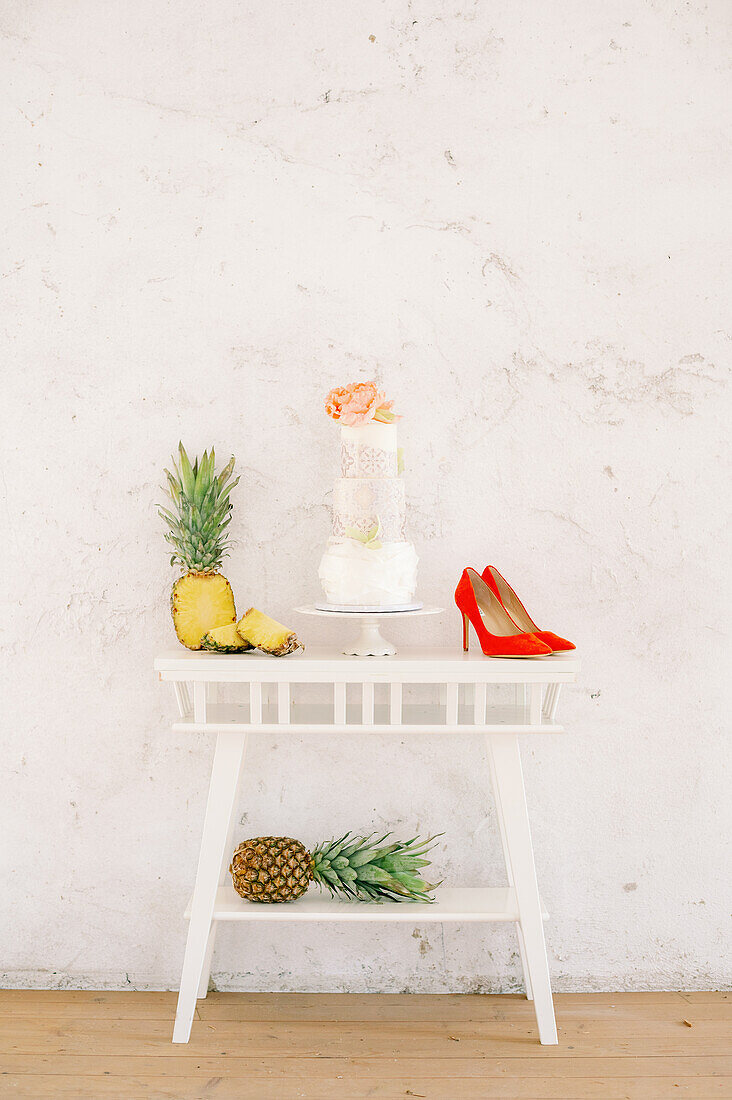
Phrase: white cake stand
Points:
(370, 642)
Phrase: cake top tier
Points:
(369, 450)
(373, 434)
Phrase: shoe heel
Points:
(466, 633)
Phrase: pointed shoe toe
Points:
(526, 645)
(556, 644)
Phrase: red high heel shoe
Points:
(479, 605)
(518, 613)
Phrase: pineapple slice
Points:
(225, 639)
(267, 634)
(200, 602)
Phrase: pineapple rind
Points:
(224, 639)
(267, 634)
(200, 602)
(271, 869)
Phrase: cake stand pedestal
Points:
(370, 642)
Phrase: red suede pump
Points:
(500, 588)
(480, 606)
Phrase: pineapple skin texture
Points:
(271, 869)
(200, 602)
(224, 639)
(267, 634)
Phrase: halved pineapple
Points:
(267, 634)
(200, 602)
(196, 523)
(225, 639)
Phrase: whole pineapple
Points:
(277, 868)
(201, 600)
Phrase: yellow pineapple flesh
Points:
(267, 634)
(225, 639)
(200, 602)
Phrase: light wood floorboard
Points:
(87, 1045)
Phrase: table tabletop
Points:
(409, 665)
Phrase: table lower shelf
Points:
(313, 718)
(495, 903)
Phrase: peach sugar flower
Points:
(358, 404)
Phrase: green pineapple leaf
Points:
(199, 489)
(187, 474)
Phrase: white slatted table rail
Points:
(367, 695)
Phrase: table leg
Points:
(509, 869)
(223, 878)
(504, 750)
(222, 792)
(207, 960)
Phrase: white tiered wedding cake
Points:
(368, 564)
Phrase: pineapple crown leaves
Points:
(199, 512)
(368, 870)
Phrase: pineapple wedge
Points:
(267, 634)
(225, 639)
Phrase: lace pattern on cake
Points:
(358, 460)
(365, 502)
(393, 527)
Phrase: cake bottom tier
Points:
(352, 573)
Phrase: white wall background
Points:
(511, 214)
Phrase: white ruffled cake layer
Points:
(353, 574)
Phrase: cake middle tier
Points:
(363, 503)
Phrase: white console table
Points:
(363, 695)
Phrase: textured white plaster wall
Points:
(512, 214)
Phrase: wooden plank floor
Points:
(92, 1046)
